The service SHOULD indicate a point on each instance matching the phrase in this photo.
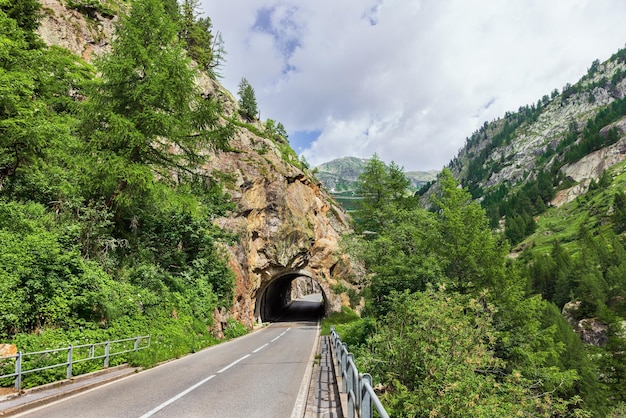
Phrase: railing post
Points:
(352, 393)
(366, 399)
(136, 343)
(106, 354)
(343, 368)
(18, 371)
(68, 372)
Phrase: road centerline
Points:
(233, 363)
(177, 397)
(261, 348)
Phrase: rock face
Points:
(520, 157)
(288, 225)
(71, 29)
(591, 330)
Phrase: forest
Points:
(454, 327)
(104, 232)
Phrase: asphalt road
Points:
(261, 374)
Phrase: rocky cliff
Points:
(286, 222)
(535, 131)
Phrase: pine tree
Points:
(247, 100)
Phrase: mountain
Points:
(575, 135)
(552, 179)
(341, 175)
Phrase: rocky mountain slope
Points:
(287, 224)
(513, 149)
(340, 175)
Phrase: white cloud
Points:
(407, 79)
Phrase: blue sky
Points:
(406, 79)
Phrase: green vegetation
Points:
(104, 232)
(247, 101)
(452, 327)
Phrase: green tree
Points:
(382, 189)
(435, 354)
(401, 257)
(145, 114)
(26, 14)
(247, 100)
(205, 48)
(36, 113)
(619, 211)
(472, 257)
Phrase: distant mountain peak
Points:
(341, 174)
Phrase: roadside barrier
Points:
(73, 354)
(358, 387)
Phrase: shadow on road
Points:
(307, 310)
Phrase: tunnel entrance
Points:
(277, 301)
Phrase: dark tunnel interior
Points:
(276, 299)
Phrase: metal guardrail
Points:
(74, 354)
(358, 387)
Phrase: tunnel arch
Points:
(275, 296)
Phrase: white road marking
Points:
(233, 363)
(177, 397)
(261, 348)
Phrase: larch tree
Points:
(145, 114)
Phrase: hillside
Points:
(550, 178)
(136, 197)
(340, 175)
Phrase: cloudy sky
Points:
(406, 79)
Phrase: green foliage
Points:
(440, 360)
(336, 319)
(26, 15)
(247, 101)
(381, 188)
(530, 358)
(106, 230)
(146, 102)
(205, 48)
(472, 257)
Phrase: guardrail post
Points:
(18, 371)
(352, 392)
(136, 343)
(344, 368)
(106, 354)
(68, 372)
(366, 399)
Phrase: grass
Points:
(563, 224)
(338, 319)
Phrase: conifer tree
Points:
(146, 113)
(247, 100)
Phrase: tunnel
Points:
(274, 300)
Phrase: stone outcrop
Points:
(71, 29)
(591, 330)
(519, 159)
(591, 166)
(8, 350)
(286, 222)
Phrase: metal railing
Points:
(72, 354)
(358, 387)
